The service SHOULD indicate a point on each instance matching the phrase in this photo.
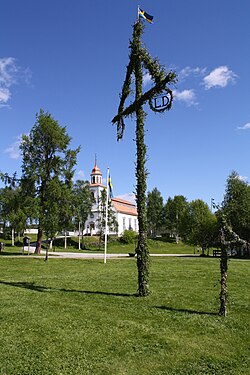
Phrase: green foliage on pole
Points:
(140, 59)
(230, 242)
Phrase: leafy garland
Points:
(157, 72)
(139, 59)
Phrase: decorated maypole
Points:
(159, 98)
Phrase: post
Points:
(106, 220)
(141, 174)
(223, 271)
(79, 230)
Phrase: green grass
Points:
(82, 317)
(156, 246)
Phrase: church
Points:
(125, 211)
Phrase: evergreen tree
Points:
(202, 225)
(46, 170)
(236, 205)
(112, 223)
(83, 201)
(154, 211)
(175, 216)
(11, 210)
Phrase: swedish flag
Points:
(144, 15)
(110, 185)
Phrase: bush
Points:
(128, 236)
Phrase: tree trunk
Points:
(203, 249)
(83, 244)
(47, 249)
(65, 239)
(13, 237)
(176, 238)
(39, 241)
(141, 176)
(79, 238)
(223, 282)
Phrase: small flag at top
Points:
(110, 186)
(145, 16)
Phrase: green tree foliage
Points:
(11, 209)
(47, 170)
(236, 205)
(83, 201)
(202, 225)
(154, 212)
(129, 236)
(175, 216)
(112, 223)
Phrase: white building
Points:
(125, 211)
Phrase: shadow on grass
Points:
(40, 288)
(6, 253)
(169, 308)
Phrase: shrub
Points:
(128, 236)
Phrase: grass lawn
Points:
(82, 317)
(156, 246)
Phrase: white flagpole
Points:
(106, 220)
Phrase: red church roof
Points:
(124, 207)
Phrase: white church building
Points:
(125, 211)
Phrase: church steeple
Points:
(96, 175)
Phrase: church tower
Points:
(96, 175)
(125, 211)
(96, 187)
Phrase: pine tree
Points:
(47, 170)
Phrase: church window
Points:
(129, 225)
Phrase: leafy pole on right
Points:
(139, 59)
(229, 240)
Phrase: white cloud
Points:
(244, 127)
(13, 149)
(186, 96)
(219, 77)
(187, 71)
(11, 74)
(147, 79)
(8, 71)
(4, 95)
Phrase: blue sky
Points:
(70, 57)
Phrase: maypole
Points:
(139, 60)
